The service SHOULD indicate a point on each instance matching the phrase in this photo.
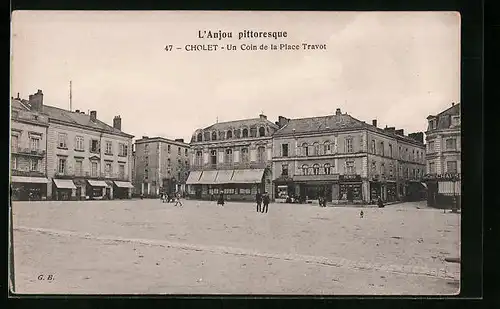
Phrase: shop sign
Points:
(445, 176)
(350, 177)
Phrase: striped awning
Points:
(193, 177)
(123, 184)
(224, 176)
(23, 179)
(208, 177)
(64, 183)
(248, 176)
(97, 183)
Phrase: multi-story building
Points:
(161, 164)
(86, 158)
(28, 152)
(443, 156)
(232, 157)
(345, 160)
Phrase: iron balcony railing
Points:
(239, 165)
(29, 151)
(97, 175)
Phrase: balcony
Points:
(227, 166)
(29, 152)
(27, 173)
(89, 175)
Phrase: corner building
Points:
(232, 157)
(345, 160)
(443, 156)
(161, 165)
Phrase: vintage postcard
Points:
(218, 152)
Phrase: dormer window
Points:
(262, 131)
(229, 134)
(214, 136)
(455, 120)
(245, 133)
(199, 137)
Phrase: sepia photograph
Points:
(235, 152)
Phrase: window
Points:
(79, 168)
(222, 135)
(213, 157)
(305, 169)
(430, 147)
(146, 148)
(13, 163)
(413, 155)
(94, 146)
(121, 171)
(228, 190)
(316, 149)
(168, 162)
(451, 166)
(261, 154)
(109, 147)
(391, 173)
(79, 143)
(123, 150)
(284, 150)
(451, 144)
(185, 152)
(237, 133)
(244, 155)
(305, 150)
(108, 169)
(316, 169)
(407, 173)
(14, 143)
(34, 165)
(229, 156)
(327, 148)
(94, 169)
(178, 151)
(418, 156)
(374, 151)
(199, 137)
(390, 150)
(284, 170)
(253, 132)
(400, 153)
(327, 168)
(382, 169)
(382, 152)
(350, 169)
(61, 166)
(374, 167)
(35, 143)
(207, 136)
(245, 191)
(455, 120)
(214, 136)
(262, 131)
(199, 158)
(168, 148)
(186, 163)
(348, 144)
(245, 133)
(62, 140)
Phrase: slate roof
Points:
(222, 126)
(444, 117)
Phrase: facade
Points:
(443, 157)
(86, 158)
(233, 158)
(28, 152)
(161, 165)
(345, 160)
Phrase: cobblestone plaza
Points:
(149, 247)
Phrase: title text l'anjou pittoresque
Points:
(246, 34)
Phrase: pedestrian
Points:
(265, 200)
(178, 199)
(258, 200)
(220, 201)
(380, 203)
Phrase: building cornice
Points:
(32, 122)
(75, 125)
(162, 140)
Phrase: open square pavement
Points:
(149, 247)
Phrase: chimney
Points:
(263, 117)
(338, 112)
(18, 96)
(400, 132)
(390, 129)
(374, 122)
(93, 115)
(145, 137)
(36, 101)
(418, 136)
(452, 103)
(117, 123)
(179, 140)
(77, 111)
(282, 121)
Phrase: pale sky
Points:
(395, 67)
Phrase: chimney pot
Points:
(374, 122)
(117, 122)
(338, 112)
(18, 95)
(36, 101)
(452, 103)
(93, 115)
(77, 111)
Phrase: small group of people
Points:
(167, 198)
(262, 202)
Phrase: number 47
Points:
(168, 48)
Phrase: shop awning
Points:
(208, 177)
(64, 184)
(123, 184)
(97, 183)
(193, 177)
(29, 179)
(248, 176)
(224, 176)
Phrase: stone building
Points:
(344, 159)
(232, 157)
(86, 158)
(443, 157)
(161, 164)
(28, 144)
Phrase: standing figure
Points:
(380, 203)
(220, 201)
(265, 200)
(258, 200)
(178, 199)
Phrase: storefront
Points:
(29, 188)
(391, 190)
(98, 190)
(284, 188)
(312, 187)
(350, 189)
(375, 191)
(443, 190)
(122, 189)
(64, 190)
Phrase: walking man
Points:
(220, 201)
(258, 200)
(178, 199)
(265, 200)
